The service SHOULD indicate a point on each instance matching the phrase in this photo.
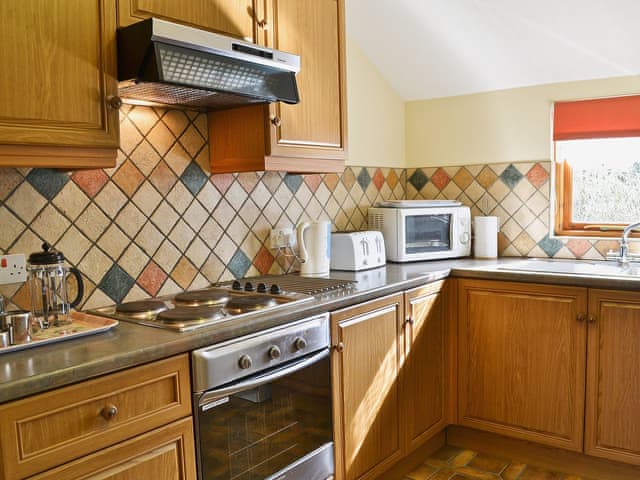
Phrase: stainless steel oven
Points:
(262, 405)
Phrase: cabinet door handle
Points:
(339, 347)
(114, 101)
(109, 412)
(410, 321)
(263, 24)
(276, 122)
(581, 317)
(592, 319)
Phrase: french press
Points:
(48, 287)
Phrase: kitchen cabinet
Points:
(57, 87)
(366, 365)
(522, 360)
(613, 376)
(78, 431)
(426, 367)
(310, 136)
(243, 19)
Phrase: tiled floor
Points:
(450, 463)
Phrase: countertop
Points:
(35, 370)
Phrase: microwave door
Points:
(425, 233)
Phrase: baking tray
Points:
(81, 326)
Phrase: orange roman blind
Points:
(598, 118)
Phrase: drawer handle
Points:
(276, 122)
(109, 412)
(339, 347)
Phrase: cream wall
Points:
(376, 115)
(495, 127)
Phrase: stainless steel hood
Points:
(160, 62)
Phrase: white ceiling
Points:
(438, 48)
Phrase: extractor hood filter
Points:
(162, 62)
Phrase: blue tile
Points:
(194, 178)
(116, 283)
(48, 182)
(293, 182)
(551, 246)
(364, 179)
(239, 264)
(418, 179)
(511, 176)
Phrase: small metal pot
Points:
(18, 325)
(5, 339)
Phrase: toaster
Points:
(356, 251)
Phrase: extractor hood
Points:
(160, 62)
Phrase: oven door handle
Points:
(211, 396)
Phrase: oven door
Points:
(276, 425)
(427, 232)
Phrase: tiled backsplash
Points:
(159, 222)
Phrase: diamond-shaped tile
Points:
(90, 181)
(538, 176)
(418, 179)
(331, 180)
(511, 176)
(224, 213)
(184, 273)
(149, 238)
(131, 219)
(128, 178)
(538, 203)
(511, 203)
(50, 224)
(524, 189)
(293, 182)
(225, 248)
(263, 261)
(133, 260)
(524, 243)
(95, 264)
(165, 217)
(312, 181)
(181, 235)
(283, 196)
(71, 201)
(551, 246)
(213, 268)
(113, 242)
(47, 182)
(11, 229)
(147, 198)
(537, 230)
(26, 202)
(248, 180)
(161, 138)
(152, 278)
(145, 157)
(249, 212)
(176, 120)
(194, 178)
(211, 232)
(196, 215)
(192, 141)
(440, 179)
(239, 264)
(116, 283)
(578, 247)
(180, 197)
(178, 159)
(223, 181)
(163, 178)
(524, 216)
(511, 229)
(363, 178)
(26, 242)
(392, 179)
(378, 179)
(197, 252)
(237, 230)
(144, 118)
(486, 177)
(167, 256)
(10, 178)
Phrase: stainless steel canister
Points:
(18, 324)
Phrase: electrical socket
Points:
(13, 269)
(281, 237)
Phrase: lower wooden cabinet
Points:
(613, 376)
(522, 360)
(55, 429)
(390, 367)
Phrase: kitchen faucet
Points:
(624, 243)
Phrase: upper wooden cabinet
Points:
(522, 360)
(58, 74)
(613, 376)
(239, 18)
(310, 136)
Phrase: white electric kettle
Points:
(314, 246)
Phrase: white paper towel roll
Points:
(485, 243)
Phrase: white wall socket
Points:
(281, 237)
(13, 269)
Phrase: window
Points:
(597, 165)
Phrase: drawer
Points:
(47, 430)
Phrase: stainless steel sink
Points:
(575, 267)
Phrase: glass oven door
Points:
(272, 426)
(427, 233)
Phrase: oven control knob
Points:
(275, 289)
(274, 353)
(248, 287)
(236, 285)
(245, 362)
(262, 288)
(300, 344)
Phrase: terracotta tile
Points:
(392, 179)
(163, 178)
(513, 471)
(248, 181)
(486, 177)
(348, 179)
(331, 180)
(603, 246)
(312, 181)
(463, 178)
(462, 458)
(263, 261)
(578, 246)
(152, 278)
(440, 179)
(537, 175)
(488, 463)
(378, 179)
(222, 181)
(423, 472)
(184, 273)
(128, 178)
(533, 473)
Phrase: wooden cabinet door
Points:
(366, 393)
(521, 365)
(238, 18)
(166, 453)
(58, 71)
(613, 376)
(425, 367)
(316, 127)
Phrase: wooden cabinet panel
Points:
(522, 360)
(425, 369)
(238, 18)
(58, 70)
(46, 430)
(613, 378)
(166, 453)
(366, 402)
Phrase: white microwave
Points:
(422, 230)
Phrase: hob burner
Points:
(249, 303)
(196, 298)
(191, 315)
(142, 308)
